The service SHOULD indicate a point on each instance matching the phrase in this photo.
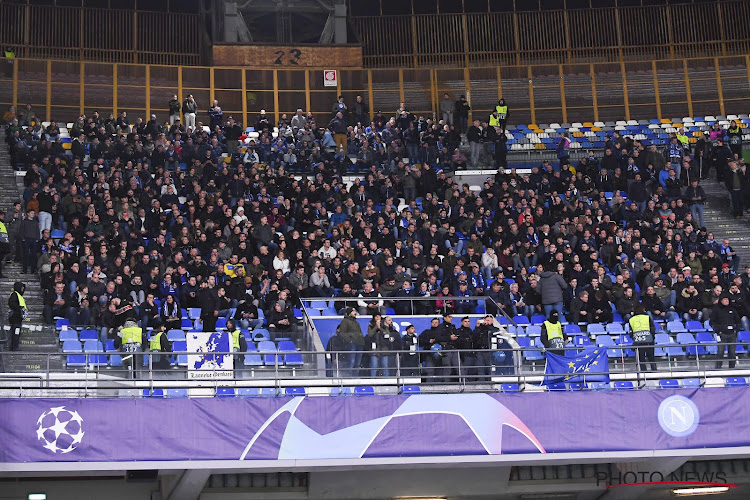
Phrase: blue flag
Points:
(588, 366)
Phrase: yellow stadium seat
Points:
(538, 131)
(678, 125)
(666, 120)
(588, 124)
(67, 145)
(539, 146)
(596, 129)
(227, 159)
(533, 125)
(577, 134)
(692, 140)
(697, 133)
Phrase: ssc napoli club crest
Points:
(678, 416)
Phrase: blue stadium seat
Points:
(537, 319)
(690, 383)
(571, 329)
(114, 359)
(68, 335)
(341, 391)
(598, 386)
(252, 358)
(559, 386)
(625, 341)
(60, 322)
(623, 385)
(57, 234)
(221, 323)
(194, 313)
(736, 382)
(411, 389)
(521, 320)
(175, 335)
(509, 388)
(695, 326)
(675, 327)
(575, 386)
(153, 393)
(686, 339)
(661, 341)
(291, 356)
(615, 329)
(364, 391)
(294, 391)
(669, 383)
(743, 338)
(177, 393)
(594, 329)
(248, 392)
(89, 335)
(617, 317)
(187, 324)
(261, 334)
(267, 349)
(533, 330)
(225, 392)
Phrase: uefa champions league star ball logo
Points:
(60, 429)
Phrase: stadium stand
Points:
(155, 223)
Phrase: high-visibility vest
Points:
(2, 228)
(155, 343)
(640, 325)
(9, 54)
(21, 300)
(494, 121)
(132, 335)
(554, 330)
(236, 339)
(502, 112)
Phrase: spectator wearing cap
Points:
(352, 341)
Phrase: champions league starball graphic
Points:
(60, 429)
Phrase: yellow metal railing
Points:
(548, 93)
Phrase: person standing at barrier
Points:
(428, 341)
(552, 334)
(551, 286)
(643, 330)
(353, 341)
(17, 313)
(131, 337)
(158, 344)
(725, 320)
(239, 342)
(174, 110)
(461, 113)
(208, 301)
(189, 109)
(466, 358)
(502, 114)
(480, 339)
(410, 358)
(447, 108)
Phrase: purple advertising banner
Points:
(299, 428)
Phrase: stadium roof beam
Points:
(188, 485)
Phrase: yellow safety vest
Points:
(640, 326)
(132, 335)
(494, 121)
(502, 112)
(554, 330)
(9, 54)
(21, 300)
(155, 343)
(683, 139)
(236, 339)
(2, 228)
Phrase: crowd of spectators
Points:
(157, 218)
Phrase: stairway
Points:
(719, 220)
(37, 339)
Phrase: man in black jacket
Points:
(725, 320)
(432, 356)
(208, 301)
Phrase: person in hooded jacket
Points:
(17, 307)
(726, 320)
(551, 286)
(353, 341)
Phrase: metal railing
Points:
(559, 93)
(444, 370)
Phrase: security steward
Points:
(410, 360)
(131, 337)
(552, 334)
(502, 113)
(643, 331)
(17, 307)
(239, 343)
(158, 344)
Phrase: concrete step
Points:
(23, 362)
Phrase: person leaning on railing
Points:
(643, 331)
